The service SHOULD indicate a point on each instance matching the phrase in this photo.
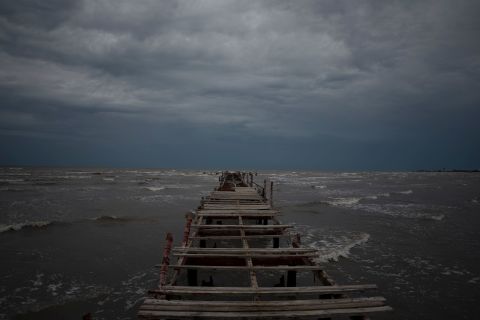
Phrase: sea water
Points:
(77, 240)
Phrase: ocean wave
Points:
(407, 211)
(153, 189)
(12, 180)
(24, 225)
(405, 192)
(110, 218)
(172, 186)
(331, 244)
(344, 249)
(344, 202)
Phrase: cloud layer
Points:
(317, 84)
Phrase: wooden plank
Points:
(236, 215)
(245, 226)
(271, 268)
(255, 306)
(236, 206)
(255, 197)
(145, 314)
(266, 303)
(244, 250)
(260, 236)
(265, 290)
(245, 255)
(239, 211)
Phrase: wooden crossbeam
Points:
(271, 268)
(244, 250)
(260, 236)
(255, 306)
(246, 255)
(152, 314)
(244, 226)
(265, 290)
(240, 211)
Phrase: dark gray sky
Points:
(332, 85)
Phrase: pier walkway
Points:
(237, 260)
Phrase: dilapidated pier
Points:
(237, 260)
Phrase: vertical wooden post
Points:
(264, 192)
(186, 230)
(166, 260)
(271, 193)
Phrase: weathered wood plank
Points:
(245, 226)
(271, 268)
(274, 303)
(308, 305)
(260, 236)
(265, 290)
(244, 306)
(244, 250)
(262, 255)
(236, 206)
(272, 314)
(240, 211)
(236, 215)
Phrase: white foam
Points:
(153, 189)
(343, 250)
(438, 218)
(331, 244)
(19, 226)
(344, 202)
(406, 192)
(474, 280)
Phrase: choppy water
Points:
(77, 240)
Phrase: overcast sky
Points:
(329, 85)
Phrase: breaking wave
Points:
(153, 189)
(111, 218)
(25, 225)
(331, 244)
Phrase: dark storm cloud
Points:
(387, 84)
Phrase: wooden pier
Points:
(237, 260)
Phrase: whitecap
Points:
(344, 202)
(19, 226)
(331, 244)
(155, 188)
